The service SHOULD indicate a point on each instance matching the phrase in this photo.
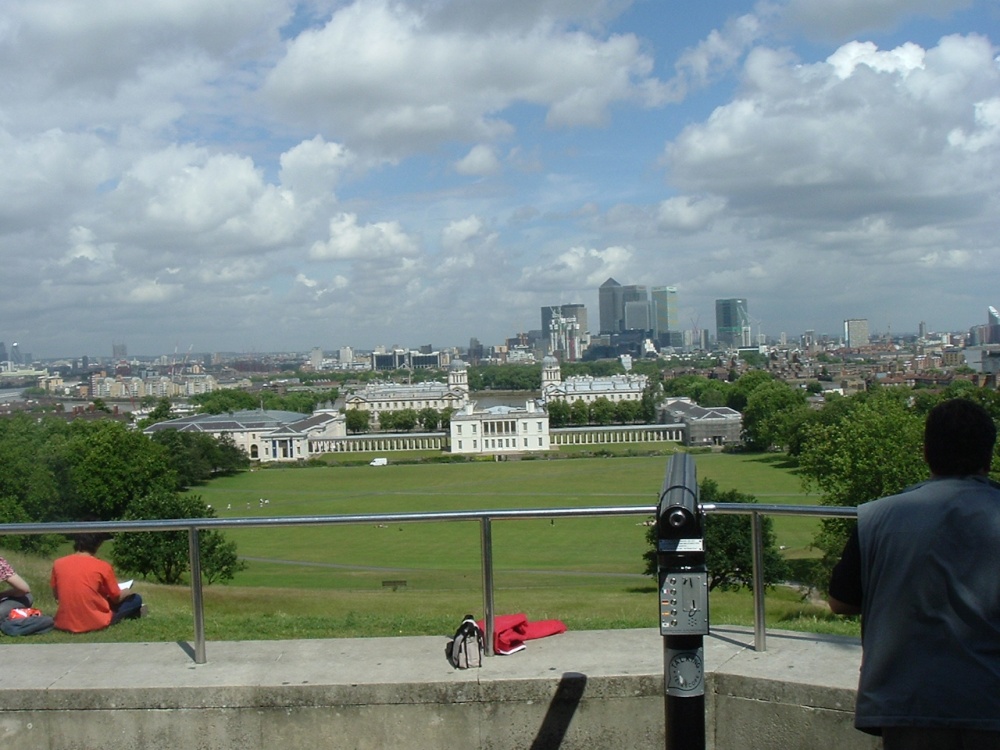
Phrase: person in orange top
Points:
(87, 591)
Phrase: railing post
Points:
(759, 614)
(486, 535)
(194, 553)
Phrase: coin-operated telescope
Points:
(683, 590)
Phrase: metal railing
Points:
(485, 518)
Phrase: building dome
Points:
(550, 361)
(457, 365)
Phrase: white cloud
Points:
(985, 133)
(226, 163)
(83, 246)
(114, 64)
(577, 268)
(718, 53)
(481, 160)
(350, 240)
(460, 232)
(904, 59)
(312, 168)
(222, 199)
(686, 213)
(380, 75)
(151, 292)
(806, 143)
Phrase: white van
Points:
(379, 462)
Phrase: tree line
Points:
(850, 449)
(228, 400)
(52, 470)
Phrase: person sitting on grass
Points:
(17, 592)
(87, 591)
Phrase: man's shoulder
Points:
(932, 491)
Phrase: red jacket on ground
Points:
(511, 631)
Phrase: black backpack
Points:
(466, 648)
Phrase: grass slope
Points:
(329, 581)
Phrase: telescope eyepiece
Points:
(677, 518)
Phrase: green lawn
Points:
(326, 581)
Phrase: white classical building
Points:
(380, 397)
(614, 388)
(500, 429)
(266, 435)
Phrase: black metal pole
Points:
(684, 692)
(683, 595)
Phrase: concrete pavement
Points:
(373, 692)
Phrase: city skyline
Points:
(274, 175)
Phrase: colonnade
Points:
(618, 434)
(379, 443)
(385, 443)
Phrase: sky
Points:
(269, 175)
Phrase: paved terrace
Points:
(586, 689)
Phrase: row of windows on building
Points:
(499, 427)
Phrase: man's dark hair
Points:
(88, 542)
(958, 438)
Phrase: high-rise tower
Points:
(856, 332)
(610, 306)
(664, 300)
(732, 322)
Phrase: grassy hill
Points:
(332, 581)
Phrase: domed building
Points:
(615, 388)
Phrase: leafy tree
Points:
(579, 413)
(358, 420)
(873, 448)
(628, 412)
(713, 395)
(219, 560)
(729, 544)
(229, 457)
(446, 417)
(100, 404)
(505, 377)
(740, 392)
(559, 413)
(769, 413)
(187, 452)
(160, 413)
(602, 411)
(429, 418)
(163, 555)
(703, 391)
(51, 470)
(652, 395)
(226, 400)
(406, 419)
(196, 457)
(103, 466)
(231, 399)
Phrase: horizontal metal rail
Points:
(484, 517)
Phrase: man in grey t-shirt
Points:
(920, 570)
